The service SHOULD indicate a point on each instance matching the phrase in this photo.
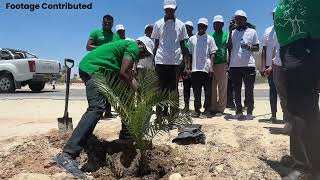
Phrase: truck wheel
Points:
(36, 86)
(7, 84)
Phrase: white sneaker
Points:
(249, 117)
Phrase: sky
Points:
(60, 34)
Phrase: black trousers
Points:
(168, 80)
(90, 118)
(230, 92)
(248, 76)
(301, 63)
(199, 80)
(273, 95)
(186, 90)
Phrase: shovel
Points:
(65, 123)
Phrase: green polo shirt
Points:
(100, 37)
(297, 19)
(108, 57)
(221, 39)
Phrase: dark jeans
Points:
(168, 80)
(90, 118)
(186, 90)
(301, 62)
(273, 95)
(230, 92)
(199, 80)
(248, 76)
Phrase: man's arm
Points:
(126, 74)
(90, 45)
(186, 56)
(263, 60)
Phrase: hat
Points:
(148, 43)
(148, 25)
(119, 27)
(189, 23)
(203, 21)
(218, 18)
(241, 13)
(169, 4)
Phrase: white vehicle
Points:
(20, 68)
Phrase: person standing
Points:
(170, 34)
(100, 37)
(117, 58)
(202, 49)
(121, 31)
(146, 63)
(242, 42)
(148, 30)
(186, 76)
(298, 31)
(220, 77)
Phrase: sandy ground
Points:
(233, 149)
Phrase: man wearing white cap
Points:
(147, 62)
(169, 34)
(148, 30)
(121, 31)
(202, 48)
(243, 41)
(100, 37)
(117, 58)
(220, 78)
(186, 76)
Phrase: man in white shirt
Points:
(147, 63)
(169, 34)
(202, 48)
(243, 41)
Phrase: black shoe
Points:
(207, 114)
(195, 114)
(110, 115)
(273, 119)
(66, 162)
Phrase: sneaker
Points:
(207, 114)
(110, 115)
(249, 117)
(238, 116)
(66, 162)
(195, 114)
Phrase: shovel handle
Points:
(66, 61)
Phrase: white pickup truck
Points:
(20, 68)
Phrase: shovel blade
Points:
(65, 124)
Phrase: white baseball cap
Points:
(119, 27)
(241, 13)
(203, 21)
(148, 43)
(218, 18)
(148, 25)
(169, 4)
(189, 23)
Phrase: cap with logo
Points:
(169, 4)
(218, 18)
(203, 21)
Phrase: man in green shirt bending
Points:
(220, 78)
(298, 31)
(100, 37)
(117, 57)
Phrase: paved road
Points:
(79, 94)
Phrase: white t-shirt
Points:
(242, 57)
(169, 33)
(201, 48)
(148, 61)
(269, 42)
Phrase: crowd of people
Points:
(219, 62)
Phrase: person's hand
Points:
(187, 71)
(268, 71)
(134, 84)
(262, 73)
(211, 72)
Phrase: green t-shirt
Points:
(297, 19)
(221, 42)
(108, 57)
(100, 37)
